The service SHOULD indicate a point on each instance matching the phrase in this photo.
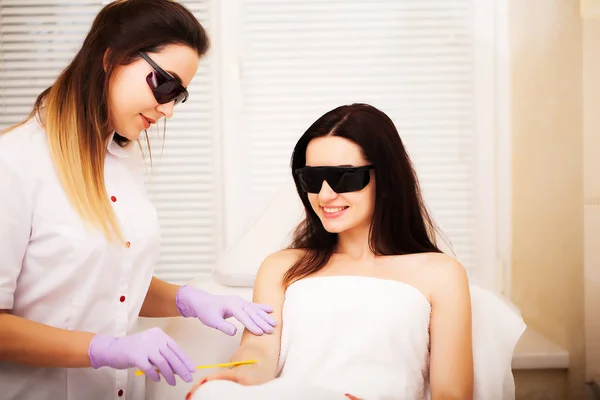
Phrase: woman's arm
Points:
(268, 289)
(167, 300)
(451, 362)
(23, 341)
(31, 343)
(160, 300)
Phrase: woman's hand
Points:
(243, 374)
(213, 310)
(246, 375)
(148, 350)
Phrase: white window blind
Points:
(417, 61)
(38, 38)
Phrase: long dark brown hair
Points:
(401, 223)
(75, 106)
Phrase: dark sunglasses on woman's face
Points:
(164, 87)
(340, 179)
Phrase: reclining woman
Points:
(366, 302)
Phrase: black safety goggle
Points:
(340, 179)
(165, 88)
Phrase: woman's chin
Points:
(344, 224)
(335, 227)
(132, 135)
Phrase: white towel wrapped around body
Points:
(369, 337)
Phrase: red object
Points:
(113, 199)
(122, 299)
(194, 388)
(120, 393)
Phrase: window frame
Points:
(492, 148)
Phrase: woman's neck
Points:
(355, 243)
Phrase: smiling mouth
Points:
(334, 212)
(150, 120)
(147, 121)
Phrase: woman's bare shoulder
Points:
(427, 263)
(279, 262)
(431, 271)
(446, 276)
(441, 266)
(441, 260)
(285, 256)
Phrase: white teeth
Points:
(333, 210)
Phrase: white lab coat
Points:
(54, 271)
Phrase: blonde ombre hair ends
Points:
(77, 146)
(79, 159)
(74, 110)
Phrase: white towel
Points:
(369, 337)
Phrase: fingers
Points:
(260, 321)
(181, 355)
(263, 311)
(226, 327)
(254, 317)
(176, 364)
(242, 315)
(163, 366)
(264, 307)
(270, 320)
(149, 370)
(166, 356)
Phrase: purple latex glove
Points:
(149, 350)
(212, 310)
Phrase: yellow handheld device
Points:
(229, 364)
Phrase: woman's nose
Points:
(326, 192)
(166, 109)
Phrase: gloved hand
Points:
(212, 310)
(148, 350)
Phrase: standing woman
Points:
(79, 237)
